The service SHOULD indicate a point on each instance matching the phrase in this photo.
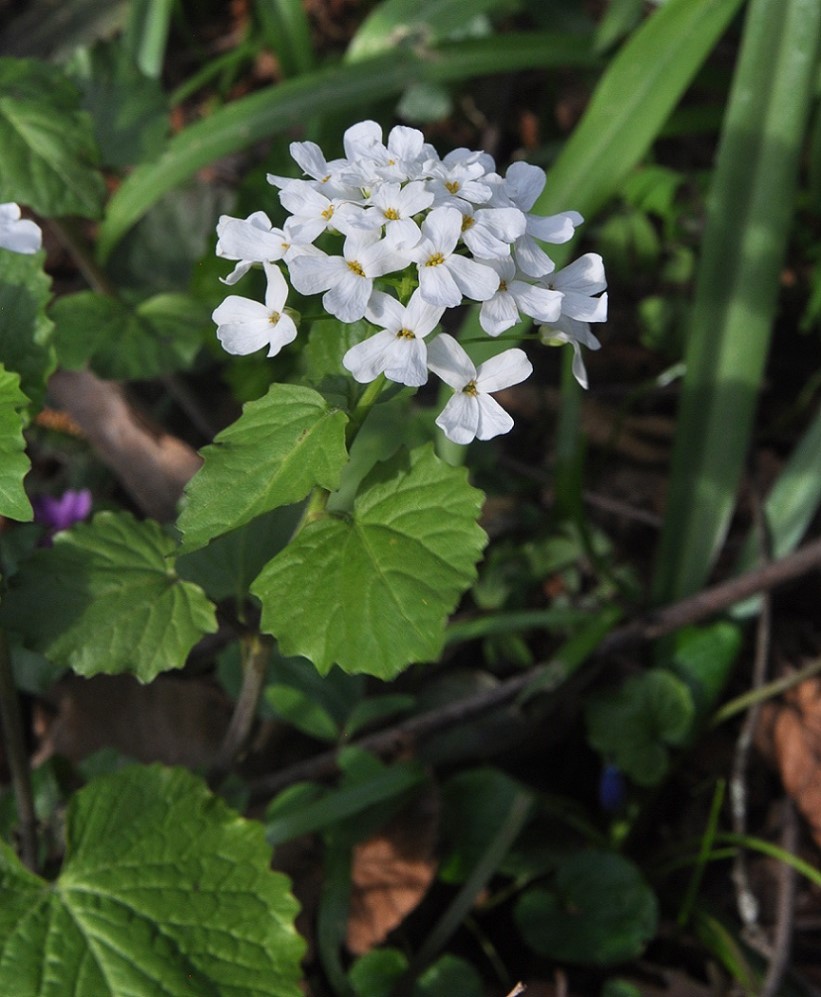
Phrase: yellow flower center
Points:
(327, 214)
(392, 214)
(502, 285)
(470, 389)
(435, 260)
(274, 317)
(405, 334)
(356, 268)
(452, 185)
(468, 222)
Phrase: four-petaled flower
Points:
(444, 275)
(347, 279)
(472, 413)
(415, 234)
(245, 326)
(398, 350)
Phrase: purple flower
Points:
(612, 789)
(59, 513)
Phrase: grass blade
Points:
(263, 114)
(634, 98)
(737, 284)
(286, 28)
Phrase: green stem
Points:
(366, 402)
(17, 757)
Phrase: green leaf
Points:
(789, 508)
(377, 972)
(703, 658)
(633, 726)
(415, 23)
(105, 599)
(281, 447)
(372, 591)
(301, 711)
(14, 464)
(129, 109)
(164, 890)
(737, 284)
(287, 30)
(49, 156)
(599, 912)
(449, 976)
(366, 788)
(123, 342)
(25, 331)
(631, 103)
(227, 566)
(475, 803)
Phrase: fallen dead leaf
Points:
(390, 874)
(789, 736)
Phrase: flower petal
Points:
(459, 419)
(493, 420)
(448, 360)
(503, 370)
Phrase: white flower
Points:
(472, 413)
(458, 177)
(570, 330)
(251, 240)
(394, 206)
(522, 186)
(18, 235)
(579, 283)
(347, 279)
(245, 326)
(488, 232)
(398, 350)
(513, 296)
(325, 176)
(443, 275)
(312, 212)
(369, 161)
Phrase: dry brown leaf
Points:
(390, 874)
(789, 735)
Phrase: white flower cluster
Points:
(18, 235)
(451, 228)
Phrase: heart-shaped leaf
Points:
(164, 890)
(372, 590)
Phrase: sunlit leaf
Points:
(281, 447)
(372, 591)
(14, 464)
(164, 889)
(105, 599)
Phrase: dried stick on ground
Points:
(656, 624)
(153, 466)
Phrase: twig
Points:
(746, 901)
(17, 758)
(256, 652)
(785, 907)
(518, 989)
(646, 628)
(152, 465)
